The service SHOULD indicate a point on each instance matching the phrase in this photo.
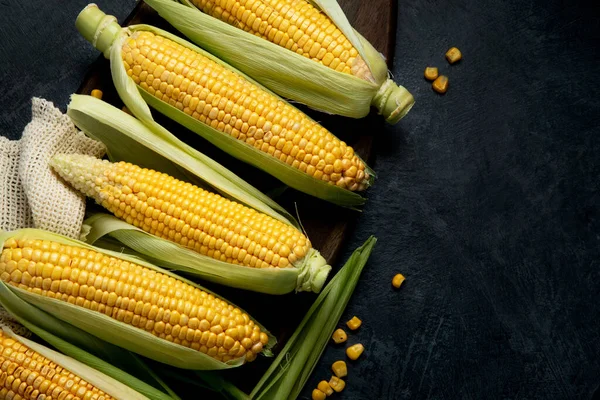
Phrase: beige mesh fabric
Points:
(31, 194)
(14, 210)
(6, 320)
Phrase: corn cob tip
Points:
(393, 101)
(97, 28)
(313, 272)
(80, 171)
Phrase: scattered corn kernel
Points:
(318, 395)
(431, 73)
(324, 387)
(339, 336)
(397, 280)
(440, 85)
(337, 384)
(453, 55)
(353, 352)
(339, 369)
(354, 323)
(97, 93)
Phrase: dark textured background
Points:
(487, 198)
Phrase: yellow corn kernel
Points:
(129, 293)
(310, 31)
(337, 384)
(354, 323)
(397, 280)
(324, 387)
(318, 395)
(431, 73)
(440, 85)
(183, 213)
(339, 336)
(25, 372)
(226, 101)
(97, 93)
(453, 55)
(354, 351)
(340, 369)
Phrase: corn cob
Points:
(294, 24)
(166, 307)
(229, 103)
(26, 374)
(185, 214)
(226, 101)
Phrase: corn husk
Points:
(289, 74)
(109, 37)
(85, 348)
(310, 276)
(111, 330)
(101, 381)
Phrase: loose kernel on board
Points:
(431, 73)
(353, 352)
(324, 387)
(318, 395)
(339, 336)
(354, 323)
(337, 384)
(397, 280)
(440, 85)
(453, 55)
(340, 369)
(97, 93)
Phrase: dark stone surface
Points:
(487, 198)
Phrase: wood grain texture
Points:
(326, 225)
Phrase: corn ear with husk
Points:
(129, 302)
(225, 107)
(306, 51)
(30, 370)
(104, 357)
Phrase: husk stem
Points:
(137, 100)
(291, 75)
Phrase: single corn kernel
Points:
(353, 352)
(324, 387)
(440, 85)
(339, 369)
(97, 93)
(397, 280)
(431, 73)
(354, 323)
(337, 384)
(453, 55)
(339, 336)
(318, 395)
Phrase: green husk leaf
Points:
(137, 101)
(80, 345)
(115, 332)
(171, 255)
(103, 382)
(291, 369)
(126, 138)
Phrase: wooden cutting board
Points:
(326, 225)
